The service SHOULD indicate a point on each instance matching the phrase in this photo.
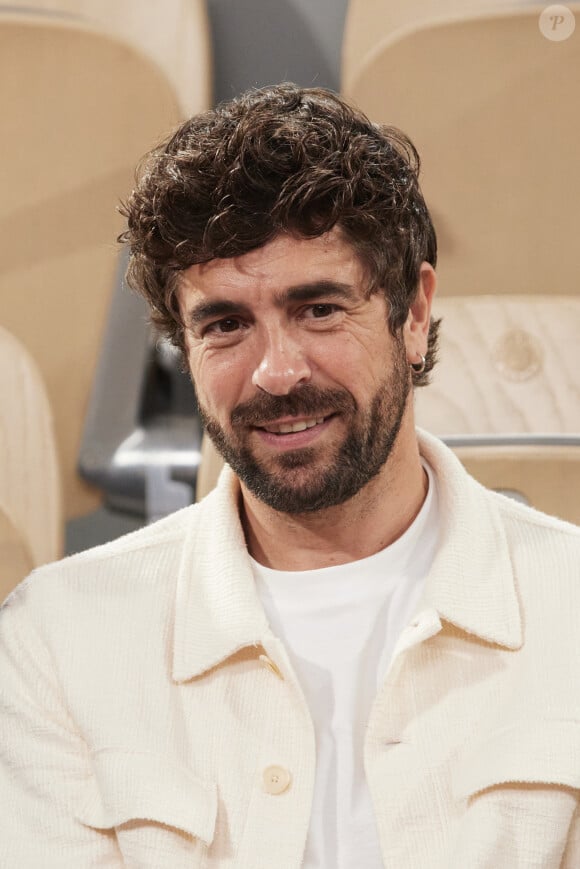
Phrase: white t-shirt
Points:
(340, 626)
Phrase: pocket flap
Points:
(540, 752)
(129, 786)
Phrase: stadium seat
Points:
(79, 108)
(506, 395)
(30, 506)
(370, 23)
(490, 104)
(172, 33)
(544, 476)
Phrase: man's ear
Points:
(416, 329)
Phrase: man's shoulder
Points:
(545, 556)
(523, 521)
(146, 557)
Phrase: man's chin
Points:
(295, 460)
(290, 471)
(291, 483)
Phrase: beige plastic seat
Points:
(78, 110)
(544, 477)
(509, 364)
(491, 106)
(370, 23)
(30, 507)
(506, 394)
(172, 33)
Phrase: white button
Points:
(276, 779)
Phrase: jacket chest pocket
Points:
(521, 790)
(162, 814)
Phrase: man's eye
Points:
(322, 310)
(228, 324)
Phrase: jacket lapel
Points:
(471, 583)
(217, 608)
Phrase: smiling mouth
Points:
(292, 427)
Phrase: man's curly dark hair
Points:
(281, 159)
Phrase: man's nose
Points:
(283, 366)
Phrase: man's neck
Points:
(367, 523)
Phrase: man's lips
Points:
(293, 433)
(292, 424)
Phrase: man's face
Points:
(300, 384)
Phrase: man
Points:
(349, 655)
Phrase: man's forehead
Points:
(286, 259)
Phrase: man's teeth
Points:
(287, 427)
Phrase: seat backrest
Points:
(544, 476)
(369, 23)
(173, 33)
(508, 366)
(490, 104)
(78, 108)
(505, 394)
(30, 505)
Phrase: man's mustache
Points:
(307, 400)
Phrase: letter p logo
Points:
(557, 23)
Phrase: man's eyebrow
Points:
(307, 292)
(220, 308)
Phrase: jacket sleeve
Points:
(44, 763)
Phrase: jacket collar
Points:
(471, 583)
(217, 608)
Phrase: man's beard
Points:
(299, 481)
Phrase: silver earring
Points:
(419, 367)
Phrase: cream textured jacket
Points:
(150, 719)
